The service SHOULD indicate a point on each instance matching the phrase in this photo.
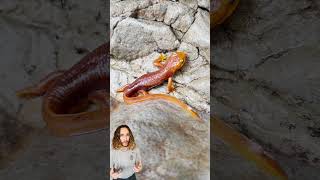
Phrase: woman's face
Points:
(124, 137)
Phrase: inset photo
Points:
(160, 89)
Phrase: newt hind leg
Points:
(170, 87)
(122, 88)
(142, 92)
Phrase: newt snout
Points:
(182, 57)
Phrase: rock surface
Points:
(228, 164)
(265, 64)
(37, 38)
(173, 145)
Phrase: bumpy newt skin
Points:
(137, 90)
(67, 94)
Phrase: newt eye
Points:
(181, 61)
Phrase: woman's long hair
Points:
(116, 143)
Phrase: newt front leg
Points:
(158, 62)
(122, 88)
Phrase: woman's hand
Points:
(137, 167)
(113, 174)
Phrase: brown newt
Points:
(137, 90)
(68, 93)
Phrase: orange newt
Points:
(137, 90)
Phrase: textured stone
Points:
(260, 29)
(195, 34)
(38, 37)
(173, 144)
(23, 64)
(228, 164)
(265, 61)
(146, 37)
(179, 16)
(204, 4)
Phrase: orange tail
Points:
(145, 97)
(64, 125)
(247, 148)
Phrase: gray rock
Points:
(259, 29)
(155, 12)
(265, 84)
(60, 158)
(40, 37)
(227, 164)
(173, 144)
(179, 16)
(269, 119)
(14, 136)
(127, 7)
(146, 37)
(298, 67)
(29, 65)
(195, 34)
(204, 4)
(190, 3)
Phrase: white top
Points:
(124, 160)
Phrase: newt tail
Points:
(247, 148)
(146, 97)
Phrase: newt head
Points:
(177, 60)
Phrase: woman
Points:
(125, 155)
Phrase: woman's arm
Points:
(114, 175)
(137, 167)
(138, 164)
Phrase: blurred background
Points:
(265, 76)
(38, 37)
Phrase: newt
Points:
(137, 90)
(67, 95)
